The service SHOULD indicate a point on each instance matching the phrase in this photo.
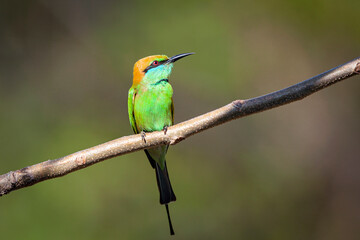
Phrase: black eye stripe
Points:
(151, 66)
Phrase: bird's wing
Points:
(131, 102)
(172, 112)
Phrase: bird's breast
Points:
(152, 106)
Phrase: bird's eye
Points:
(155, 63)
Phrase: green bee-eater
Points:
(151, 108)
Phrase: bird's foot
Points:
(143, 135)
(165, 129)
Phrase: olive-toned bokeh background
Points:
(289, 173)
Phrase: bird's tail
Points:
(163, 181)
(166, 193)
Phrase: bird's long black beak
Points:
(177, 57)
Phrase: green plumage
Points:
(151, 108)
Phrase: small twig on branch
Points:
(59, 167)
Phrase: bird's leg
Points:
(143, 135)
(165, 129)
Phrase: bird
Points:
(151, 108)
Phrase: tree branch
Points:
(59, 167)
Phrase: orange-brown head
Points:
(142, 66)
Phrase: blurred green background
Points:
(288, 173)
